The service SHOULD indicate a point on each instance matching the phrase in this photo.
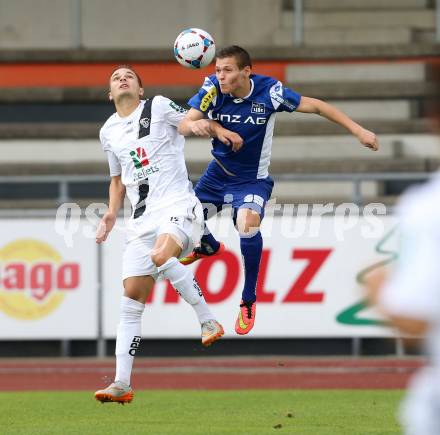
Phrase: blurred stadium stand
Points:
(368, 58)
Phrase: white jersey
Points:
(414, 288)
(414, 291)
(152, 167)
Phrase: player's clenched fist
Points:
(202, 127)
(105, 226)
(368, 139)
(230, 138)
(209, 128)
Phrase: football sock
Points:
(182, 279)
(208, 244)
(251, 249)
(128, 337)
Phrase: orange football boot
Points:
(197, 254)
(246, 317)
(116, 392)
(211, 331)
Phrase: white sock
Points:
(182, 279)
(202, 310)
(128, 337)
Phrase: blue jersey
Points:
(252, 117)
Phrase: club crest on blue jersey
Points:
(258, 108)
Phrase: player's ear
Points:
(247, 70)
(141, 92)
(110, 96)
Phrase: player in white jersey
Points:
(146, 160)
(410, 298)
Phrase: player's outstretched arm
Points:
(195, 124)
(313, 105)
(116, 199)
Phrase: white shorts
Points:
(183, 220)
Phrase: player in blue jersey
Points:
(246, 104)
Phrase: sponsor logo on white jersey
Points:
(142, 165)
(144, 173)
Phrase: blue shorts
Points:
(217, 188)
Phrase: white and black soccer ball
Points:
(194, 48)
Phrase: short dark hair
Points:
(240, 54)
(127, 66)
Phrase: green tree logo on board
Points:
(351, 315)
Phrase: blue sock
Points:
(208, 244)
(251, 249)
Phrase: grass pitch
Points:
(305, 412)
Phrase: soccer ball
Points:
(194, 48)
